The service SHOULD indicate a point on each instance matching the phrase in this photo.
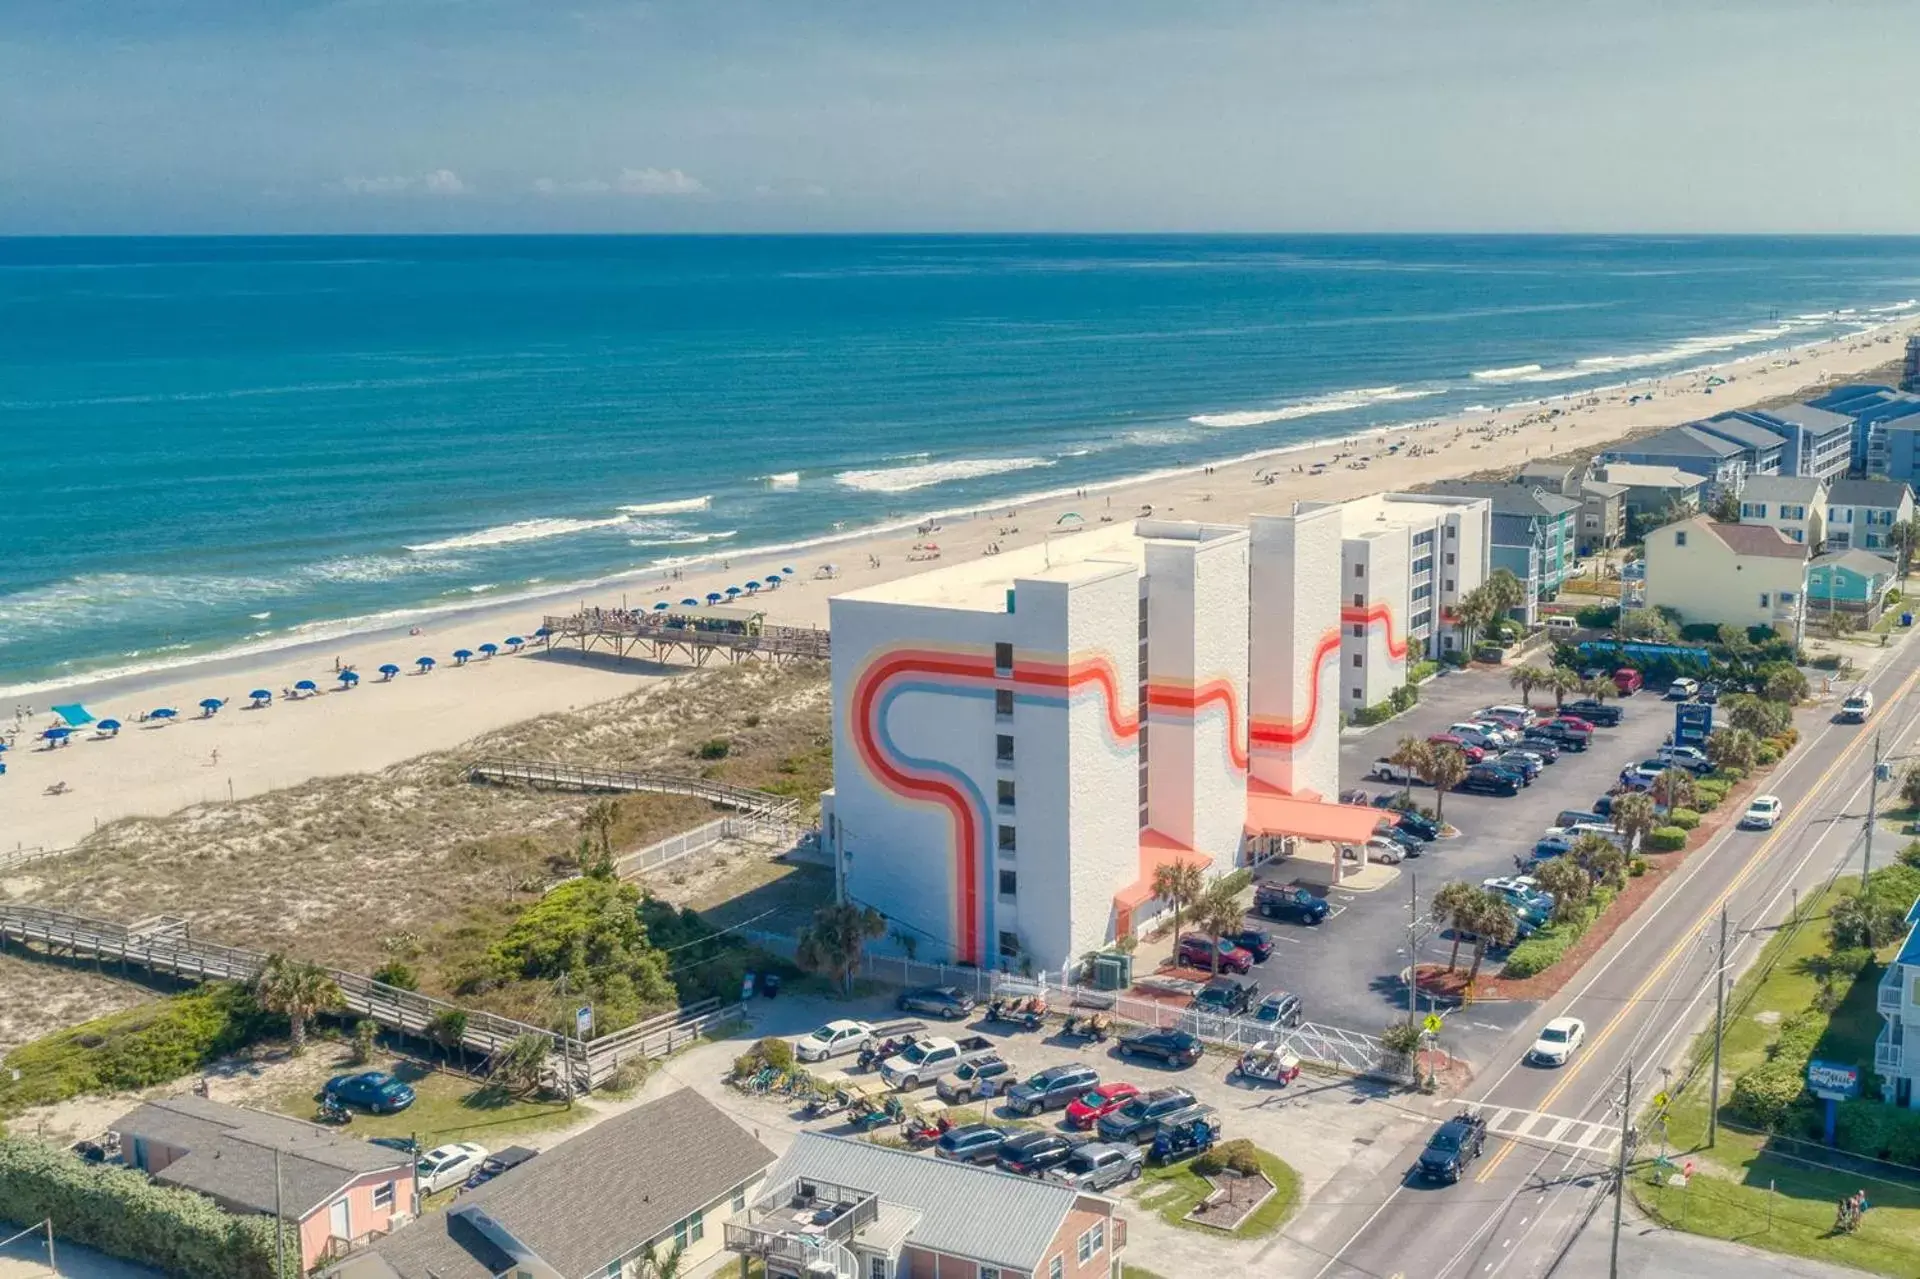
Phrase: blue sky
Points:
(132, 116)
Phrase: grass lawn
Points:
(1746, 1191)
(1173, 1189)
(449, 1108)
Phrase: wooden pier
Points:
(687, 636)
(762, 805)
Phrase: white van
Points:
(1560, 624)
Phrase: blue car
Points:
(372, 1090)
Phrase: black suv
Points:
(1031, 1153)
(1257, 942)
(1482, 780)
(1456, 1144)
(1174, 1047)
(1596, 713)
(1225, 997)
(1140, 1119)
(1055, 1086)
(1284, 901)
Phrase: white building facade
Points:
(1896, 1054)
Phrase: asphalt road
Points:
(1555, 1131)
(1349, 970)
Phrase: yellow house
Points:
(1728, 574)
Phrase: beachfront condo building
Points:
(1896, 1053)
(1020, 741)
(1407, 556)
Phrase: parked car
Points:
(1197, 951)
(1683, 689)
(1520, 717)
(972, 1143)
(987, 1077)
(926, 1059)
(1279, 1008)
(1485, 736)
(1053, 1087)
(1520, 891)
(1709, 693)
(498, 1162)
(1411, 845)
(835, 1039)
(1570, 724)
(1382, 849)
(1174, 1047)
(1419, 824)
(1225, 997)
(447, 1166)
(1473, 753)
(1456, 1143)
(1482, 780)
(949, 1003)
(1559, 1039)
(1640, 776)
(1565, 739)
(1628, 681)
(1763, 813)
(1594, 712)
(371, 1090)
(1385, 770)
(1529, 765)
(1099, 1166)
(1257, 942)
(1691, 758)
(1139, 1119)
(1284, 901)
(1086, 1110)
(1545, 745)
(1028, 1154)
(1498, 766)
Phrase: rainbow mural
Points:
(1272, 735)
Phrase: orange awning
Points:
(1156, 850)
(1269, 812)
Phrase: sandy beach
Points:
(152, 769)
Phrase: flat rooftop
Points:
(981, 582)
(1392, 510)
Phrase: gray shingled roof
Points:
(1524, 500)
(1647, 475)
(1865, 563)
(1601, 488)
(1803, 489)
(589, 1200)
(1876, 493)
(1819, 421)
(1679, 441)
(1738, 429)
(230, 1154)
(991, 1217)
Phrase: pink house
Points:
(339, 1191)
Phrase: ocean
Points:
(209, 445)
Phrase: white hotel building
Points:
(999, 791)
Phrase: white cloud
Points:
(660, 182)
(438, 182)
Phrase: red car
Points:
(1196, 951)
(1628, 681)
(1088, 1108)
(1571, 724)
(1473, 753)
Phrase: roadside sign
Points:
(583, 1022)
(1433, 1024)
(1660, 1101)
(1832, 1081)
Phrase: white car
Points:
(834, 1039)
(447, 1166)
(1763, 813)
(1558, 1041)
(1382, 849)
(1385, 770)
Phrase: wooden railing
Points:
(577, 777)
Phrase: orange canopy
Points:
(1269, 812)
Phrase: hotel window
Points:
(1359, 630)
(1359, 570)
(1359, 660)
(1359, 600)
(989, 1272)
(1006, 839)
(877, 1268)
(1449, 532)
(1449, 559)
(1006, 797)
(1356, 694)
(1765, 599)
(1009, 884)
(1093, 1241)
(383, 1195)
(1009, 945)
(1003, 747)
(1003, 703)
(1786, 597)
(1056, 1268)
(1449, 585)
(1423, 591)
(740, 1198)
(1680, 537)
(1003, 659)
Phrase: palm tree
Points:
(1506, 591)
(1732, 748)
(1526, 679)
(599, 818)
(833, 943)
(1633, 816)
(1563, 681)
(1902, 537)
(1600, 861)
(1599, 688)
(1673, 789)
(655, 1266)
(1567, 883)
(521, 1065)
(1446, 769)
(297, 989)
(1453, 907)
(1217, 914)
(1492, 924)
(1179, 884)
(1473, 612)
(1412, 754)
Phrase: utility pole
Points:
(1620, 1174)
(1873, 815)
(279, 1223)
(1413, 946)
(1719, 1029)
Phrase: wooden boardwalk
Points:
(669, 639)
(754, 803)
(163, 944)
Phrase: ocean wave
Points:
(1478, 408)
(1506, 374)
(1895, 308)
(680, 506)
(380, 568)
(904, 479)
(519, 531)
(1150, 437)
(682, 539)
(783, 480)
(1337, 402)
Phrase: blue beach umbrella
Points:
(349, 678)
(57, 734)
(109, 726)
(732, 591)
(306, 686)
(211, 704)
(788, 570)
(753, 586)
(261, 696)
(689, 603)
(662, 606)
(714, 597)
(514, 642)
(4, 748)
(165, 712)
(460, 656)
(542, 633)
(489, 648)
(388, 670)
(424, 663)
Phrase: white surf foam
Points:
(904, 479)
(784, 480)
(1337, 402)
(682, 539)
(1507, 374)
(519, 531)
(677, 507)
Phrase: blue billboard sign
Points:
(1692, 723)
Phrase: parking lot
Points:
(1347, 970)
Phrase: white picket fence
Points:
(1333, 1047)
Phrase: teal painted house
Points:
(1849, 581)
(1536, 534)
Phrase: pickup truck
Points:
(838, 1038)
(1456, 1143)
(929, 1059)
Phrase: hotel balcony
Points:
(1890, 1051)
(1891, 991)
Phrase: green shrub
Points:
(1378, 713)
(1827, 662)
(1708, 790)
(589, 932)
(1636, 867)
(770, 1051)
(362, 1042)
(1878, 1131)
(1762, 1096)
(1666, 839)
(1730, 774)
(152, 1044)
(1239, 1155)
(123, 1213)
(398, 975)
(1453, 657)
(714, 748)
(1421, 671)
(1684, 818)
(1234, 881)
(1910, 855)
(1598, 617)
(1766, 754)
